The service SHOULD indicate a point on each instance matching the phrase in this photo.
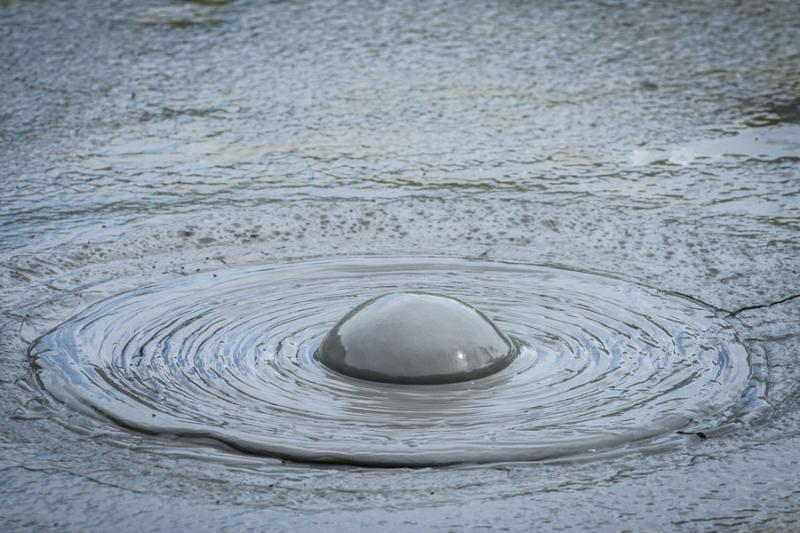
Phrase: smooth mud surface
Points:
(192, 191)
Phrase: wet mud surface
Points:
(230, 356)
(161, 145)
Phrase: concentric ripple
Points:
(230, 356)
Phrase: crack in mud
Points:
(762, 306)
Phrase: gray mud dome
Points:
(416, 338)
(157, 157)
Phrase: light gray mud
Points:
(140, 143)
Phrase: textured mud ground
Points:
(143, 141)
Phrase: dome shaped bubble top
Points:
(416, 338)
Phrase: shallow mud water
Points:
(192, 192)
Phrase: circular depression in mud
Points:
(230, 356)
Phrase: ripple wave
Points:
(231, 356)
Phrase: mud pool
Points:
(617, 185)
